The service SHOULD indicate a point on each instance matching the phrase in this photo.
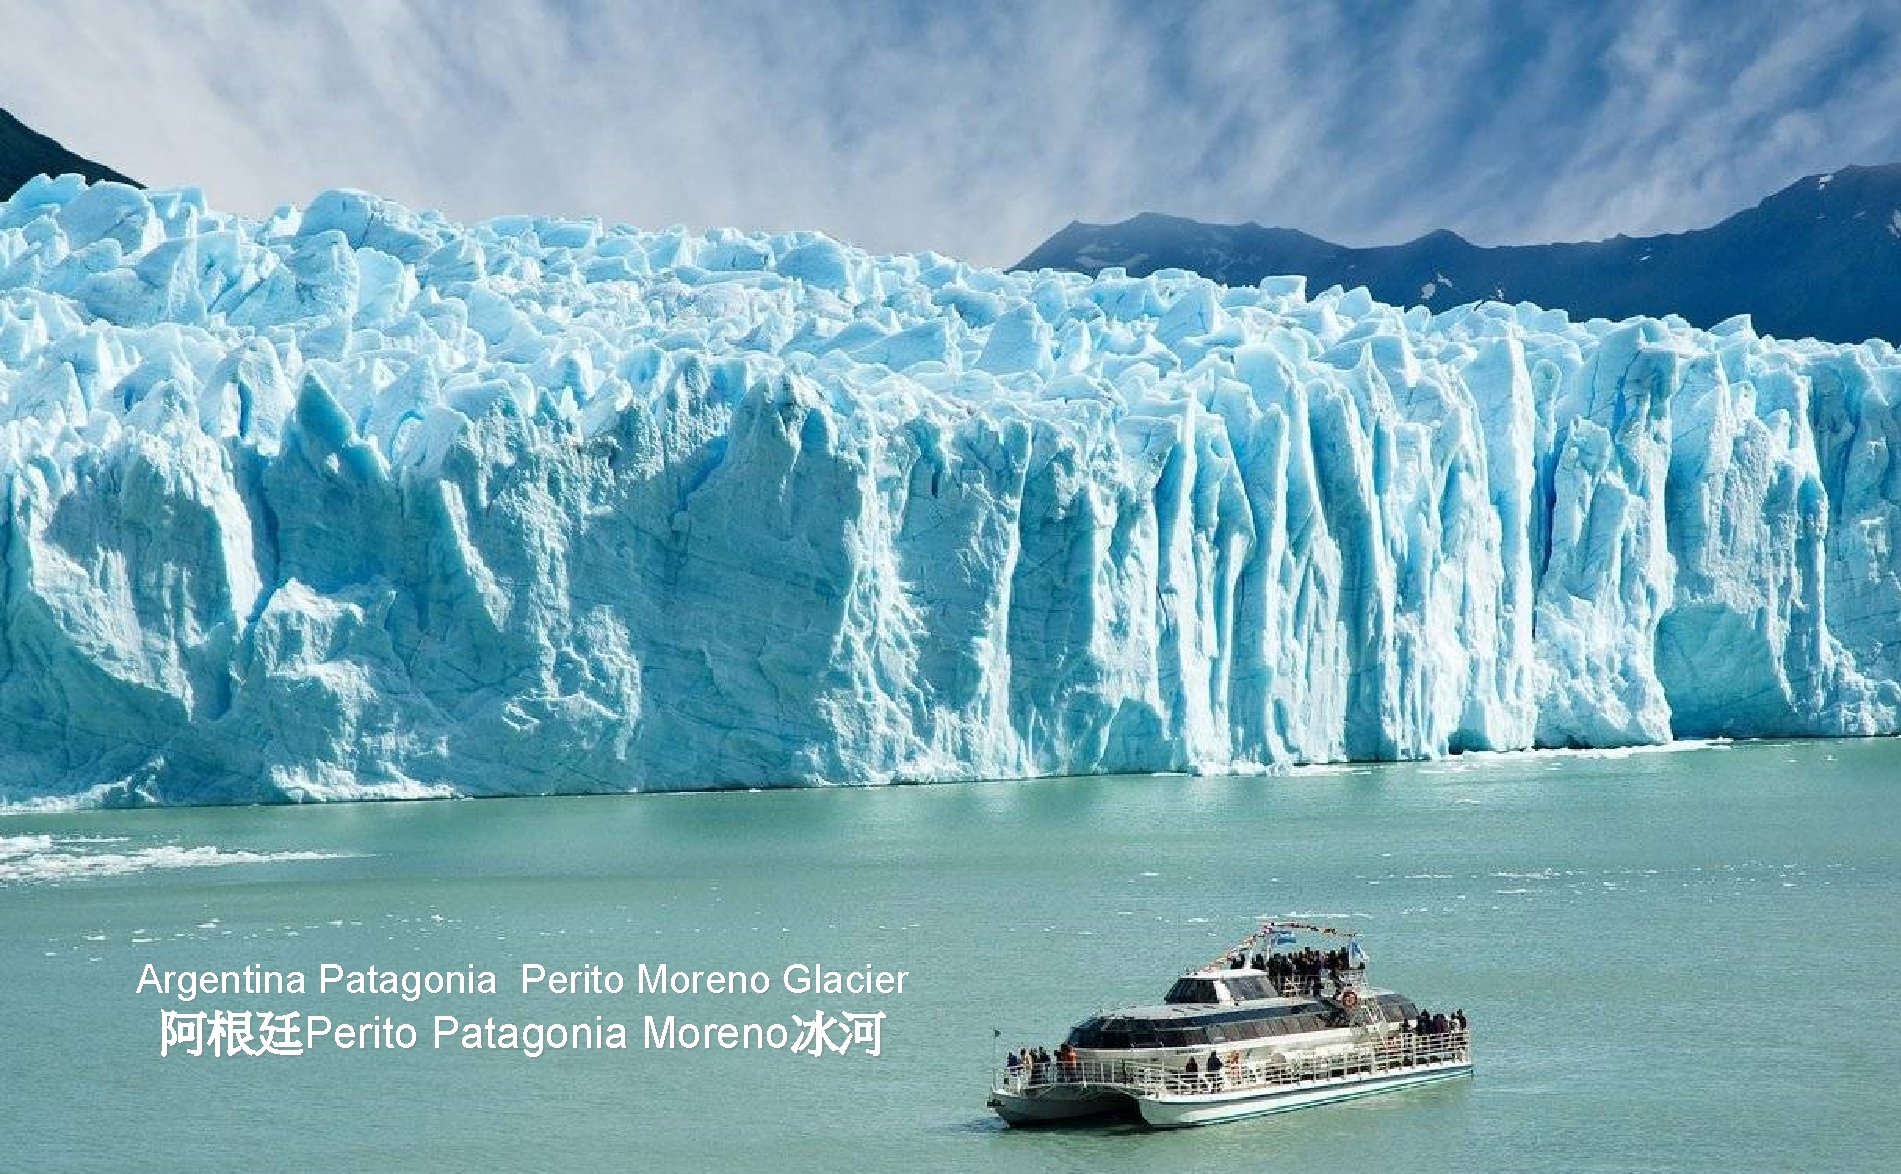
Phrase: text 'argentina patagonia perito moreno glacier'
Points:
(356, 501)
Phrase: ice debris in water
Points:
(358, 501)
(48, 858)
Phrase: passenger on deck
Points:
(1214, 1070)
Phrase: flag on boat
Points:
(1356, 957)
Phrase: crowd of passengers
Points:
(1433, 1023)
(1301, 972)
(1041, 1066)
(1064, 1065)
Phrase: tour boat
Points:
(1273, 1026)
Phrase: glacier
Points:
(356, 501)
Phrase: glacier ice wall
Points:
(359, 501)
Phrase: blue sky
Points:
(978, 129)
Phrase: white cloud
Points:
(977, 128)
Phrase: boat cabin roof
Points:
(1180, 1025)
(1268, 1008)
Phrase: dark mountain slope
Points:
(25, 153)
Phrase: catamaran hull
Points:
(1178, 1110)
(1057, 1104)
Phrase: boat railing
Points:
(1121, 1074)
(1392, 1052)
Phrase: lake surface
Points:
(1676, 961)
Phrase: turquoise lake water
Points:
(1672, 961)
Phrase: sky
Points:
(978, 129)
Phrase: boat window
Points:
(1106, 1033)
(1198, 1029)
(1192, 990)
(1244, 989)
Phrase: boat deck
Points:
(1391, 1054)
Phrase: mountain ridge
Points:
(1810, 260)
(25, 153)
